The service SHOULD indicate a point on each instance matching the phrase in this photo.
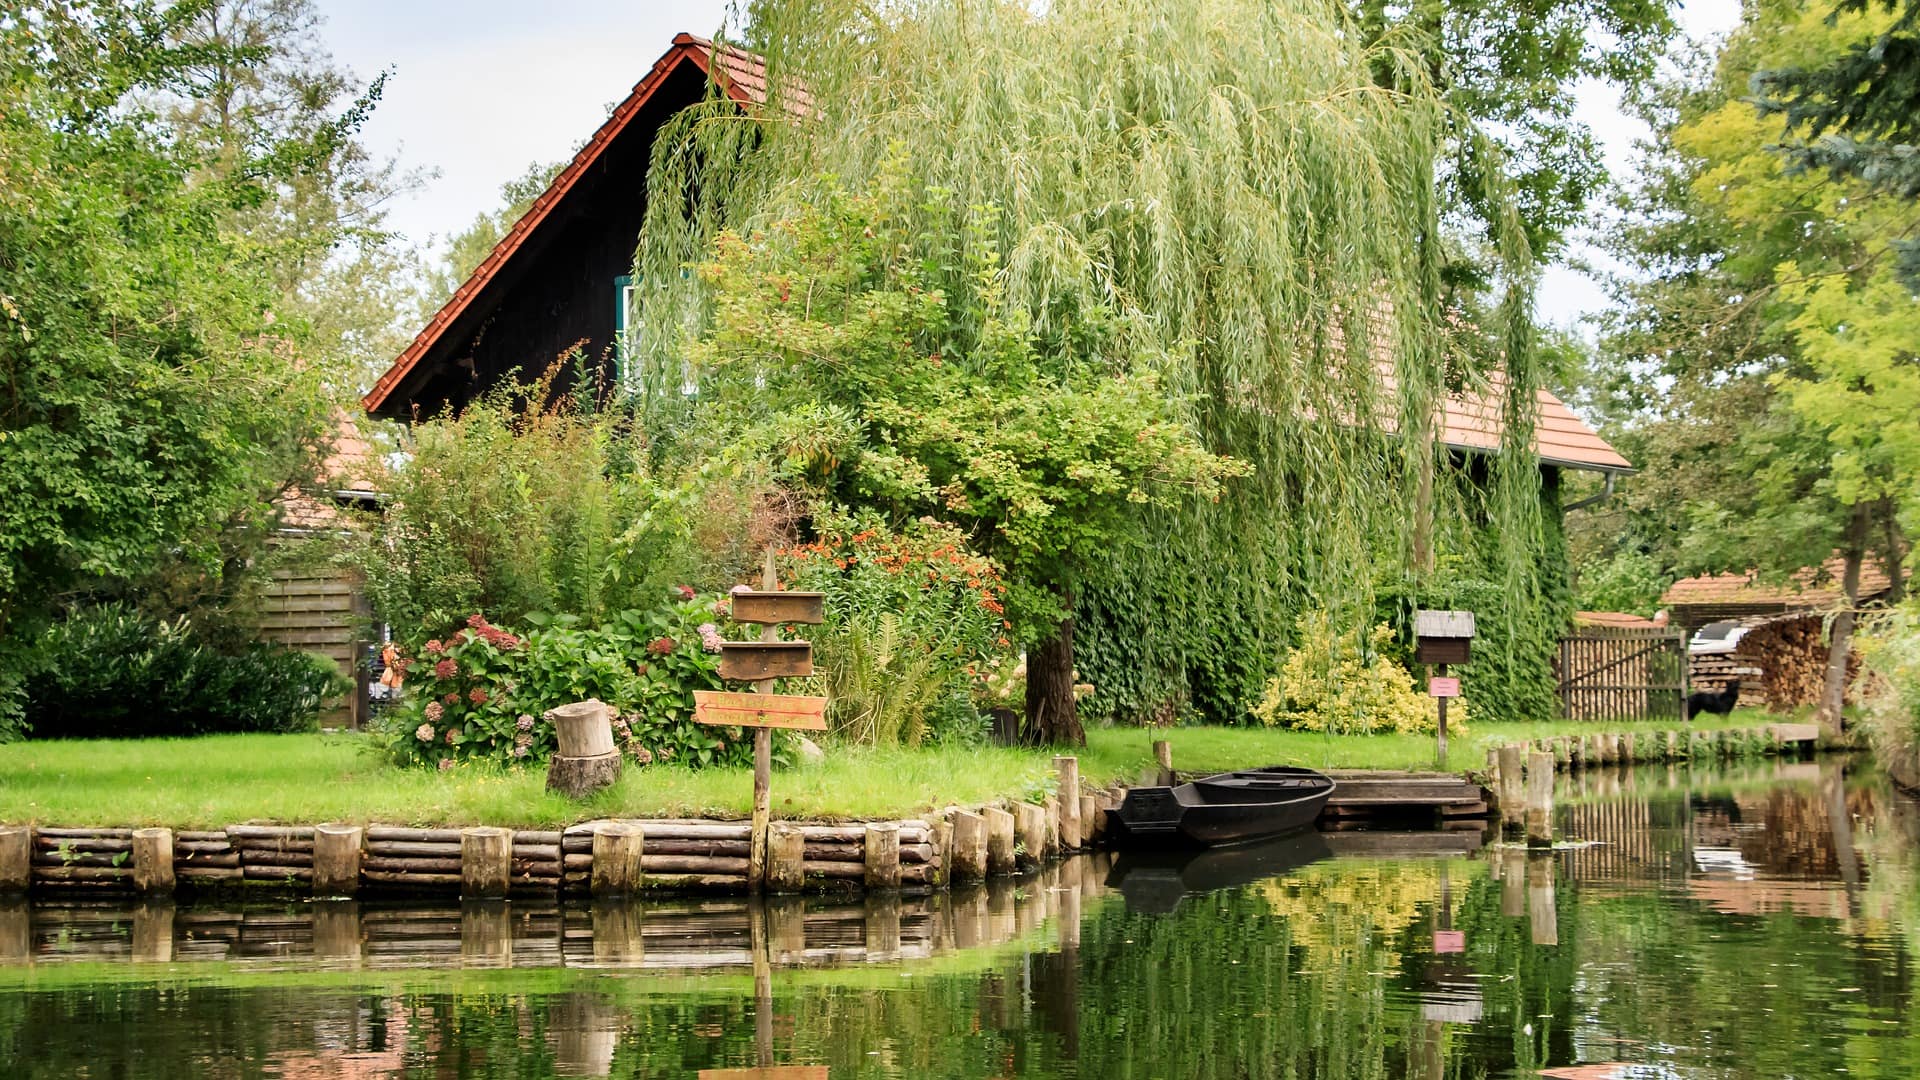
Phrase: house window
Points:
(626, 328)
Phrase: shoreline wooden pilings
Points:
(604, 859)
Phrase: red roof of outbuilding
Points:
(740, 74)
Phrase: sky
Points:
(480, 89)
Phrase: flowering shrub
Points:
(911, 617)
(1340, 683)
(483, 693)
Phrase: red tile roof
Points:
(1472, 422)
(741, 75)
(1611, 618)
(1809, 587)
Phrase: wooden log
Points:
(16, 858)
(485, 857)
(939, 854)
(580, 777)
(1066, 769)
(835, 852)
(618, 851)
(1052, 807)
(1562, 752)
(189, 872)
(268, 857)
(693, 864)
(969, 846)
(1163, 758)
(200, 847)
(380, 833)
(43, 842)
(83, 833)
(523, 837)
(1539, 800)
(410, 880)
(277, 873)
(822, 868)
(919, 874)
(1030, 822)
(412, 864)
(231, 858)
(336, 859)
(1000, 844)
(1093, 821)
(583, 729)
(1576, 752)
(882, 855)
(80, 858)
(786, 858)
(544, 852)
(113, 874)
(404, 849)
(1512, 792)
(153, 860)
(1629, 748)
(270, 832)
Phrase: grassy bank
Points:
(221, 779)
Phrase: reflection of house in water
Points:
(1776, 848)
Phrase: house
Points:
(558, 279)
(1711, 598)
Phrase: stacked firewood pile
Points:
(1790, 652)
(1710, 672)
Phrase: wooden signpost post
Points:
(761, 662)
(1441, 638)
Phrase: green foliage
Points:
(111, 672)
(1344, 683)
(1890, 649)
(517, 513)
(1629, 581)
(911, 618)
(483, 693)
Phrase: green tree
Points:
(154, 395)
(1765, 342)
(1042, 449)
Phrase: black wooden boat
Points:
(1227, 808)
(1153, 880)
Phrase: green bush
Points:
(1890, 651)
(483, 692)
(913, 618)
(1350, 685)
(517, 513)
(111, 672)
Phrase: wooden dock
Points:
(1365, 798)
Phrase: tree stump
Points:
(153, 860)
(587, 760)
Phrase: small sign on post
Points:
(760, 663)
(1441, 638)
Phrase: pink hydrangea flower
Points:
(686, 591)
(525, 723)
(452, 736)
(446, 669)
(434, 648)
(710, 638)
(523, 739)
(424, 733)
(477, 695)
(446, 763)
(434, 711)
(660, 646)
(521, 751)
(642, 755)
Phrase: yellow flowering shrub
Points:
(1344, 684)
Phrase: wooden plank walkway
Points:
(1441, 799)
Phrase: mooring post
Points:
(940, 872)
(1066, 769)
(336, 860)
(1092, 822)
(618, 850)
(1629, 748)
(1163, 756)
(969, 847)
(1512, 791)
(786, 858)
(1539, 800)
(882, 854)
(153, 860)
(1562, 752)
(16, 858)
(486, 861)
(1000, 826)
(1031, 822)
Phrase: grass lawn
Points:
(223, 779)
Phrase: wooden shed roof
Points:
(1813, 586)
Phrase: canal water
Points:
(1760, 922)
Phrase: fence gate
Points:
(1623, 673)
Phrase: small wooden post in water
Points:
(786, 858)
(16, 858)
(1539, 800)
(336, 860)
(882, 854)
(1163, 756)
(969, 847)
(486, 861)
(1031, 822)
(619, 849)
(153, 860)
(1512, 791)
(1067, 768)
(1000, 827)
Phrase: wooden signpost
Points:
(761, 662)
(1441, 638)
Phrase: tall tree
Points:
(1226, 183)
(1765, 341)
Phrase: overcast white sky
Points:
(483, 88)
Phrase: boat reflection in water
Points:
(1154, 882)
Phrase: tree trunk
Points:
(1894, 559)
(1052, 715)
(1833, 694)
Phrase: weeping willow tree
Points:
(1241, 181)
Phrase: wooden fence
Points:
(321, 613)
(1623, 673)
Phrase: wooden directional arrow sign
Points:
(794, 711)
